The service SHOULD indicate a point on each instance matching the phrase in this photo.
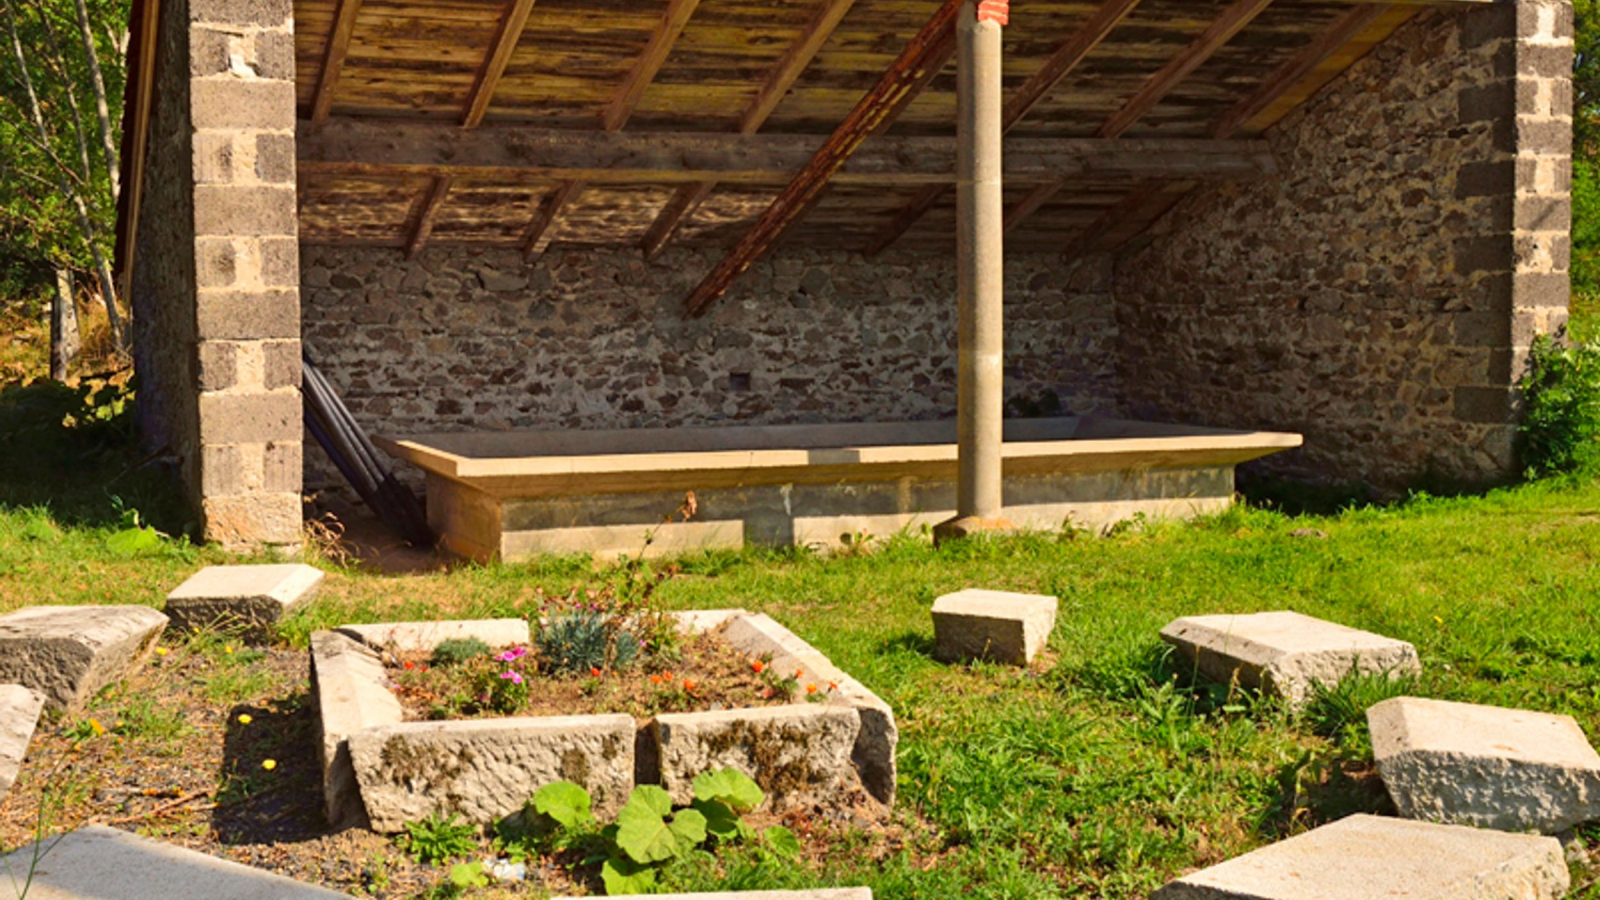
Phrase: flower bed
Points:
(383, 770)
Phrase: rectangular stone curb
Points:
(1001, 626)
(347, 683)
(818, 894)
(422, 637)
(798, 753)
(68, 653)
(19, 716)
(250, 599)
(1365, 857)
(99, 863)
(874, 753)
(1285, 653)
(486, 769)
(1485, 766)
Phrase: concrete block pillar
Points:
(216, 276)
(1523, 193)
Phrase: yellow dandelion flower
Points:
(1438, 621)
(244, 719)
(96, 727)
(227, 648)
(161, 651)
(269, 764)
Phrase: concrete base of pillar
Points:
(968, 526)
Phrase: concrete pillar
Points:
(979, 269)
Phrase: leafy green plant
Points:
(1340, 712)
(579, 640)
(648, 833)
(437, 838)
(1561, 422)
(455, 651)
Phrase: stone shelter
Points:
(1342, 218)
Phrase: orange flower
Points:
(655, 679)
(689, 685)
(833, 685)
(410, 664)
(811, 689)
(798, 673)
(595, 671)
(758, 665)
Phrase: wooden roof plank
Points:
(910, 72)
(333, 55)
(541, 231)
(438, 190)
(507, 35)
(1061, 62)
(768, 96)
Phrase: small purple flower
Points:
(512, 655)
(513, 677)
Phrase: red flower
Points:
(758, 665)
(410, 664)
(595, 671)
(689, 685)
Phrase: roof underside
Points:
(573, 60)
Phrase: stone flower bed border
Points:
(380, 771)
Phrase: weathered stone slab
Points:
(347, 682)
(99, 863)
(798, 753)
(68, 653)
(486, 769)
(1506, 769)
(1375, 858)
(19, 715)
(994, 625)
(1285, 653)
(818, 894)
(241, 598)
(874, 753)
(409, 637)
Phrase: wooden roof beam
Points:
(506, 38)
(910, 72)
(1061, 62)
(333, 55)
(616, 114)
(432, 199)
(768, 96)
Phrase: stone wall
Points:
(216, 278)
(1379, 296)
(469, 338)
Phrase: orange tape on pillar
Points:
(998, 11)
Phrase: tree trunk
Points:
(102, 108)
(64, 341)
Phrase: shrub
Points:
(455, 651)
(438, 838)
(579, 640)
(1561, 422)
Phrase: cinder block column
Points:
(1525, 192)
(246, 264)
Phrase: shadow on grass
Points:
(74, 452)
(908, 642)
(273, 782)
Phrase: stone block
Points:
(68, 653)
(798, 753)
(245, 521)
(228, 102)
(253, 417)
(248, 315)
(424, 636)
(227, 209)
(247, 598)
(874, 754)
(1366, 857)
(347, 685)
(1506, 769)
(1285, 653)
(19, 715)
(100, 863)
(995, 625)
(486, 769)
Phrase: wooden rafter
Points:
(1231, 22)
(344, 25)
(438, 189)
(137, 100)
(507, 35)
(1061, 62)
(358, 147)
(910, 72)
(615, 116)
(783, 76)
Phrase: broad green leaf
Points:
(642, 832)
(624, 876)
(690, 827)
(133, 541)
(40, 530)
(721, 820)
(468, 875)
(567, 803)
(731, 786)
(654, 799)
(781, 841)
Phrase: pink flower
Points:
(512, 655)
(513, 677)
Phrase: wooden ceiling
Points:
(392, 90)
